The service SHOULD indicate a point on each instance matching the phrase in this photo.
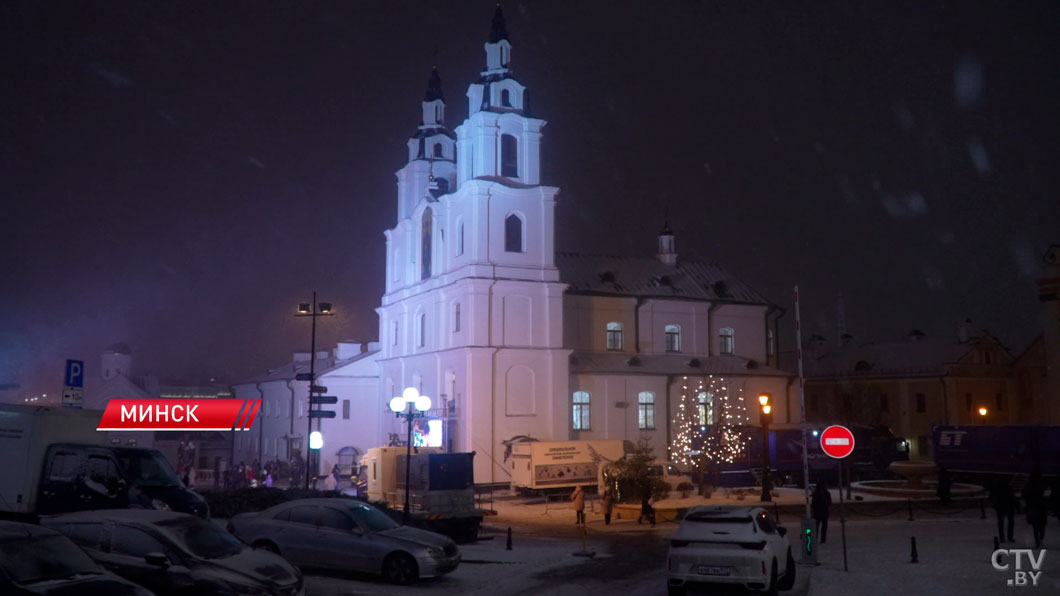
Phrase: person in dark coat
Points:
(1004, 503)
(820, 504)
(1037, 506)
(945, 483)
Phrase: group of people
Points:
(607, 500)
(1036, 505)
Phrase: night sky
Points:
(177, 176)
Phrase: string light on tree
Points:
(713, 413)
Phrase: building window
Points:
(438, 150)
(456, 317)
(968, 401)
(646, 410)
(506, 98)
(425, 244)
(460, 239)
(345, 409)
(673, 338)
(705, 408)
(422, 330)
(614, 336)
(395, 330)
(726, 342)
(885, 406)
(921, 403)
(580, 420)
(771, 342)
(513, 233)
(509, 156)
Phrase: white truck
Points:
(543, 465)
(54, 460)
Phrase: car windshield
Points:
(372, 518)
(148, 468)
(32, 560)
(202, 538)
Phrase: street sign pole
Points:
(842, 515)
(837, 442)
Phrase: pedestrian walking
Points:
(1004, 503)
(608, 501)
(577, 499)
(1037, 506)
(945, 483)
(820, 504)
(647, 507)
(268, 477)
(329, 482)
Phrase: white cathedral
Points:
(508, 337)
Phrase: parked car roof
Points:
(10, 530)
(151, 516)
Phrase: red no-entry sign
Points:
(837, 441)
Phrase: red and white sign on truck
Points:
(837, 441)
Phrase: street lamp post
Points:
(765, 417)
(314, 310)
(409, 405)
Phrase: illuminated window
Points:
(580, 420)
(673, 338)
(425, 244)
(614, 336)
(646, 410)
(705, 408)
(513, 233)
(726, 342)
(509, 156)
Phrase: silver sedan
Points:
(347, 535)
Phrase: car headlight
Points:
(435, 552)
(159, 504)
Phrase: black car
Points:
(177, 554)
(41, 562)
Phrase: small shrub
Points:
(684, 488)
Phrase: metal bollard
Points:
(912, 554)
(508, 546)
(910, 501)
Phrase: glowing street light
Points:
(409, 405)
(765, 417)
(306, 309)
(982, 411)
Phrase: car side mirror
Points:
(158, 559)
(782, 530)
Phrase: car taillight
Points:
(753, 545)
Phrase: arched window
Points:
(726, 341)
(580, 415)
(673, 338)
(646, 410)
(438, 150)
(513, 233)
(422, 330)
(705, 408)
(460, 239)
(425, 244)
(394, 328)
(509, 156)
(614, 336)
(456, 317)
(506, 98)
(348, 456)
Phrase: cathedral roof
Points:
(649, 277)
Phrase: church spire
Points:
(433, 102)
(434, 87)
(498, 31)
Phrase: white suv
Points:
(730, 545)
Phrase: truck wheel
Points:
(400, 568)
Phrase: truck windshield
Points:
(40, 559)
(148, 468)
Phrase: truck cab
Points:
(80, 477)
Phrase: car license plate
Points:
(712, 570)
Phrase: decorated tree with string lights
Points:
(709, 416)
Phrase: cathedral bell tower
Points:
(499, 139)
(432, 152)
